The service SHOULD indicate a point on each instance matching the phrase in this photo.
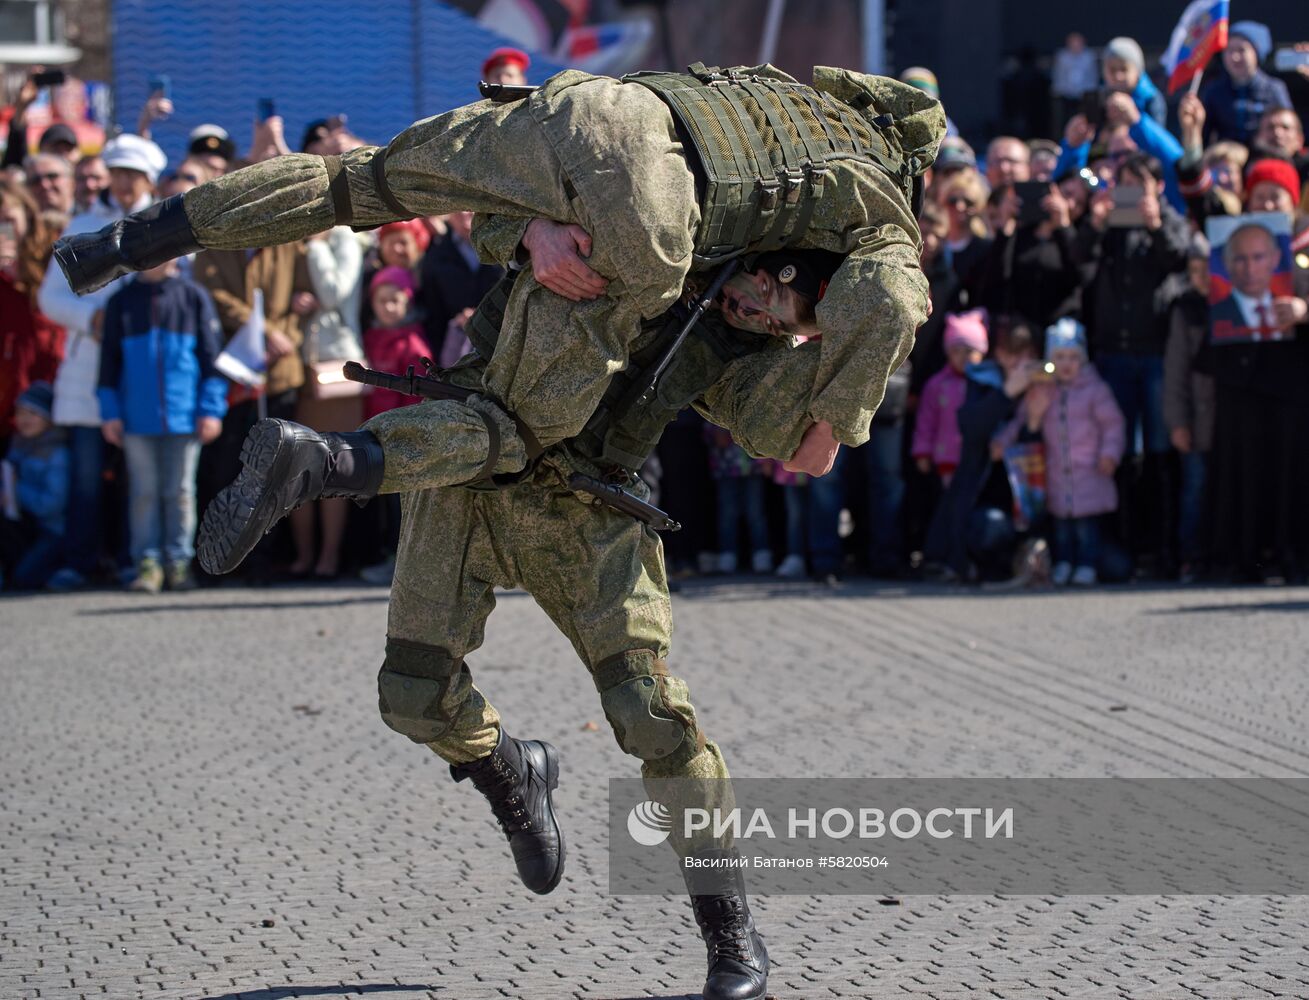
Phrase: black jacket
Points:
(1131, 284)
(449, 286)
(1030, 277)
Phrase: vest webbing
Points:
(763, 148)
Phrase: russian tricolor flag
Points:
(1200, 34)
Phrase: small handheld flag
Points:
(1200, 34)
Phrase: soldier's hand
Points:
(817, 452)
(557, 251)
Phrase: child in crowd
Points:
(1083, 431)
(161, 398)
(33, 493)
(936, 434)
(740, 485)
(395, 340)
(393, 343)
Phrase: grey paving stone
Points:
(163, 795)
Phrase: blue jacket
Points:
(157, 355)
(1151, 138)
(1233, 112)
(41, 478)
(1149, 101)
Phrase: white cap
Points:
(131, 152)
(205, 131)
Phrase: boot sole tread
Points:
(244, 511)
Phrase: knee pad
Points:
(650, 711)
(413, 686)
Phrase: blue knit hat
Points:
(1066, 332)
(39, 397)
(1256, 34)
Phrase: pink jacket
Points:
(392, 349)
(936, 432)
(1082, 425)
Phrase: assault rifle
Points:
(428, 386)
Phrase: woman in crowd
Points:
(31, 346)
(963, 196)
(327, 403)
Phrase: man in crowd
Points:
(1281, 134)
(1008, 161)
(214, 146)
(1126, 302)
(60, 140)
(90, 178)
(50, 179)
(1237, 99)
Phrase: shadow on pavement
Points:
(342, 989)
(184, 605)
(1240, 609)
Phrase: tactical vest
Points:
(626, 440)
(764, 149)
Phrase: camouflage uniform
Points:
(607, 156)
(597, 573)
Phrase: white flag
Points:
(244, 359)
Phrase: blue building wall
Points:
(384, 63)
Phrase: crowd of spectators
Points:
(1066, 416)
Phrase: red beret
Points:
(1274, 171)
(506, 55)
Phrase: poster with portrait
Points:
(1249, 267)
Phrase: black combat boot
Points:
(142, 240)
(283, 466)
(517, 779)
(738, 960)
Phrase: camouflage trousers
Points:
(584, 150)
(598, 574)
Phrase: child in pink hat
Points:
(937, 441)
(394, 341)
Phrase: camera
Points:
(1093, 107)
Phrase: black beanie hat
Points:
(806, 272)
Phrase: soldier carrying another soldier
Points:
(661, 177)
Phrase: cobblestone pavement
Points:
(200, 802)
